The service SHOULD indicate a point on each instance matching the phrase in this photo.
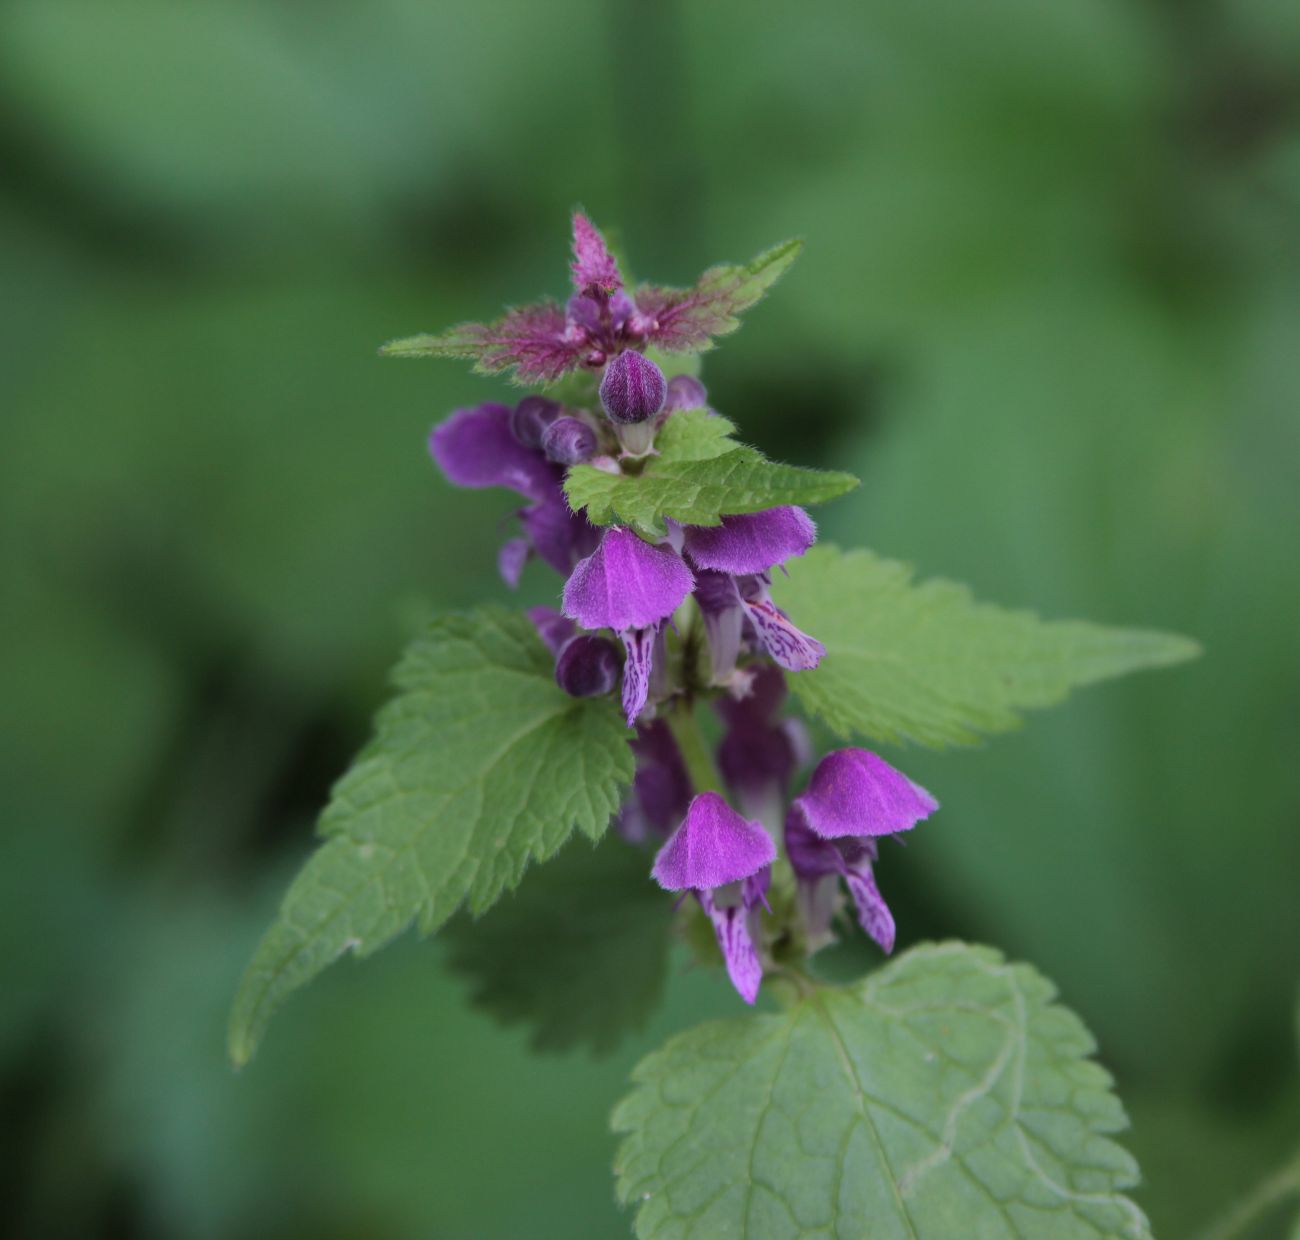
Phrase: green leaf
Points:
(579, 953)
(688, 318)
(459, 341)
(480, 764)
(699, 475)
(925, 662)
(946, 1096)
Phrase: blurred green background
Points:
(1049, 310)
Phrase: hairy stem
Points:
(690, 741)
(1268, 1193)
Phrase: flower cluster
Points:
(706, 585)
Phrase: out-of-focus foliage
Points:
(1048, 310)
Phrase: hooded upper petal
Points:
(854, 792)
(713, 846)
(626, 584)
(475, 448)
(751, 542)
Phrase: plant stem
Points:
(690, 741)
(1265, 1195)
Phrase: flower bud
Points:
(531, 417)
(685, 392)
(569, 441)
(633, 388)
(587, 666)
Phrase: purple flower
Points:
(661, 789)
(733, 562)
(760, 752)
(853, 798)
(631, 587)
(684, 392)
(587, 666)
(569, 441)
(751, 542)
(727, 862)
(489, 446)
(553, 628)
(633, 388)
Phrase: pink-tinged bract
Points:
(751, 542)
(626, 584)
(594, 267)
(854, 792)
(713, 846)
(535, 340)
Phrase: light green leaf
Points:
(699, 475)
(463, 340)
(946, 1096)
(688, 318)
(579, 953)
(480, 764)
(925, 662)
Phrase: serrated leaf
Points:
(700, 475)
(946, 1096)
(479, 765)
(578, 954)
(687, 319)
(925, 662)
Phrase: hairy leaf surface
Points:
(925, 662)
(946, 1096)
(700, 475)
(479, 765)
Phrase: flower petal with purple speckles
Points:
(873, 913)
(637, 668)
(734, 927)
(751, 542)
(553, 628)
(713, 846)
(792, 648)
(854, 792)
(475, 448)
(626, 584)
(594, 268)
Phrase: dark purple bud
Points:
(633, 388)
(530, 419)
(685, 392)
(569, 441)
(587, 666)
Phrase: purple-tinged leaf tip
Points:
(594, 268)
(626, 584)
(475, 448)
(713, 846)
(633, 388)
(854, 792)
(752, 542)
